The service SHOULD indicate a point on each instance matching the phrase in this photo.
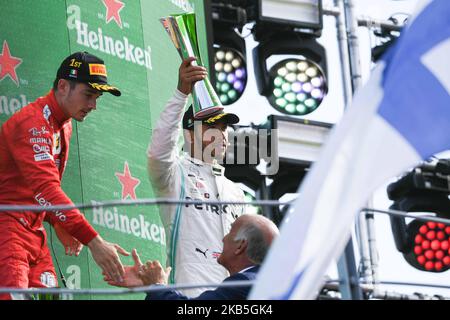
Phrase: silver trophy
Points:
(182, 31)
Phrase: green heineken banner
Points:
(107, 158)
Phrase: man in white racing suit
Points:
(194, 232)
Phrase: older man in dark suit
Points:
(244, 249)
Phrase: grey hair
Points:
(257, 246)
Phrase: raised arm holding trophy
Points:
(194, 232)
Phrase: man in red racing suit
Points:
(34, 147)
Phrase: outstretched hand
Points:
(106, 255)
(153, 273)
(141, 274)
(131, 275)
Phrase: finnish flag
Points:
(399, 118)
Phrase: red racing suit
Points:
(34, 146)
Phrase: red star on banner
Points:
(129, 184)
(8, 64)
(113, 8)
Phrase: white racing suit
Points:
(194, 232)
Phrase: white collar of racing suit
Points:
(216, 168)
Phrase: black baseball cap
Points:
(86, 68)
(219, 115)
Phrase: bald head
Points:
(259, 233)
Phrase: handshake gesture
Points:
(141, 274)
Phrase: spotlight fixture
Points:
(229, 51)
(430, 243)
(296, 85)
(231, 74)
(425, 245)
(296, 13)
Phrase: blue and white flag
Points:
(399, 118)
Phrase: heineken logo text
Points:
(96, 40)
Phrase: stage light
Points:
(295, 85)
(287, 27)
(230, 67)
(297, 13)
(298, 141)
(430, 246)
(425, 245)
(298, 144)
(231, 74)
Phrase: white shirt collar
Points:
(246, 269)
(216, 168)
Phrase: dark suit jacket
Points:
(225, 293)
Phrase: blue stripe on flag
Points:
(429, 28)
(290, 291)
(415, 103)
(418, 107)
